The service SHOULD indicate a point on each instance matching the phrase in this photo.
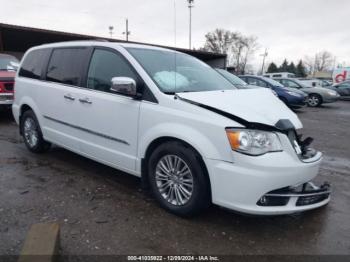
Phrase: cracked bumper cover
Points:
(242, 184)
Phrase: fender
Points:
(30, 102)
(205, 147)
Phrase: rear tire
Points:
(178, 180)
(32, 135)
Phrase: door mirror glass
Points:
(124, 86)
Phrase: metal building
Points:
(16, 40)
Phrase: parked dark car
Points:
(343, 89)
(317, 95)
(237, 82)
(292, 98)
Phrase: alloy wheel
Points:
(313, 101)
(174, 180)
(30, 132)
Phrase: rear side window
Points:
(66, 66)
(33, 64)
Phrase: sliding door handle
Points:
(85, 100)
(69, 97)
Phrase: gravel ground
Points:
(104, 211)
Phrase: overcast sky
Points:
(289, 29)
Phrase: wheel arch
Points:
(164, 139)
(24, 107)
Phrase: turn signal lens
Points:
(233, 137)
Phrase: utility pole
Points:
(127, 32)
(264, 55)
(111, 28)
(190, 6)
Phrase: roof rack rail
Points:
(100, 40)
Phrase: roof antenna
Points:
(175, 62)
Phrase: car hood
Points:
(300, 92)
(253, 105)
(317, 90)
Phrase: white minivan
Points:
(172, 120)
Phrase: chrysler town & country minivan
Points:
(172, 120)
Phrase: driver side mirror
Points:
(125, 86)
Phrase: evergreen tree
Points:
(292, 68)
(284, 67)
(301, 70)
(272, 68)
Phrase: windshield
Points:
(8, 63)
(272, 82)
(235, 80)
(189, 74)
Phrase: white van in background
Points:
(280, 75)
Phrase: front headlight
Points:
(253, 142)
(332, 93)
(293, 94)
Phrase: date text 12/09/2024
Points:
(173, 258)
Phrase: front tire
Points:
(314, 100)
(32, 135)
(178, 180)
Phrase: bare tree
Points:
(249, 48)
(322, 61)
(239, 48)
(219, 41)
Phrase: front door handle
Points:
(69, 97)
(85, 100)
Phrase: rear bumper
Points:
(6, 98)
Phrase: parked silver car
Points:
(316, 95)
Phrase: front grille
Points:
(9, 87)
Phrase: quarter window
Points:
(66, 66)
(33, 64)
(104, 66)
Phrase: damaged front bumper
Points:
(298, 196)
(272, 184)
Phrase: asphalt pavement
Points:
(104, 211)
